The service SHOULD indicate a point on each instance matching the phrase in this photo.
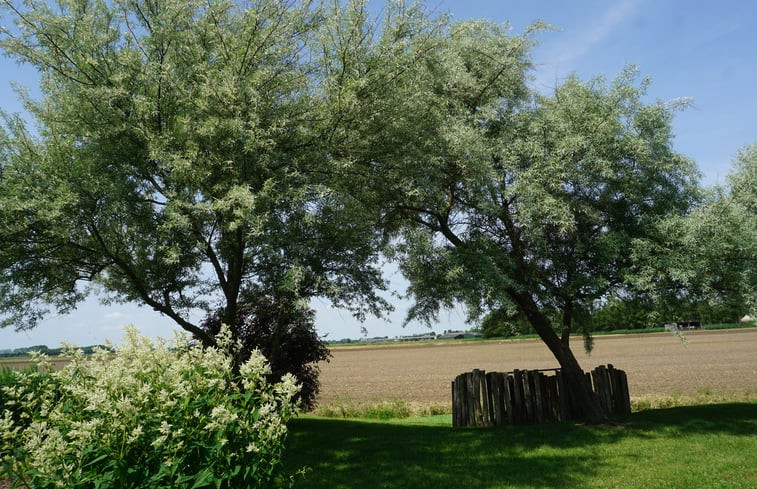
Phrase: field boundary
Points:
(358, 345)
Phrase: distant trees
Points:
(629, 312)
(639, 312)
(504, 323)
(23, 351)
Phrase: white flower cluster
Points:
(143, 411)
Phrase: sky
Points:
(704, 51)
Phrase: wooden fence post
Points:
(509, 396)
(518, 403)
(538, 397)
(564, 397)
(457, 401)
(528, 395)
(496, 384)
(625, 395)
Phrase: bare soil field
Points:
(657, 364)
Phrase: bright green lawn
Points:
(711, 446)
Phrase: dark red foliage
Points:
(284, 332)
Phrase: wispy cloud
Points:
(581, 38)
(116, 315)
(596, 32)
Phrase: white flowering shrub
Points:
(147, 415)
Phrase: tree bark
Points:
(575, 378)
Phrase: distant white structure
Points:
(747, 319)
(451, 335)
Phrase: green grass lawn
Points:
(712, 446)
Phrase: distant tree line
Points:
(622, 313)
(52, 352)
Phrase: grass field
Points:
(704, 445)
(712, 446)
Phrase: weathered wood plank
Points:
(538, 397)
(495, 381)
(471, 405)
(528, 396)
(509, 399)
(564, 397)
(519, 403)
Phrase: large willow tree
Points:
(177, 157)
(508, 199)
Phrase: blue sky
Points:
(706, 51)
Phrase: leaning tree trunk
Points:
(578, 383)
(575, 378)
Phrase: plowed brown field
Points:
(657, 364)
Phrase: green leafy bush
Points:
(148, 415)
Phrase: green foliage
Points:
(10, 380)
(384, 410)
(504, 323)
(709, 257)
(567, 184)
(644, 312)
(179, 156)
(623, 314)
(283, 330)
(148, 415)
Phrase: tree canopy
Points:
(710, 254)
(510, 199)
(178, 156)
(187, 151)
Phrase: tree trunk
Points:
(575, 378)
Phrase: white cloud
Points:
(577, 40)
(116, 315)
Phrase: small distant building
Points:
(376, 339)
(747, 319)
(689, 324)
(424, 337)
(452, 335)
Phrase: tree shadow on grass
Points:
(350, 454)
(736, 419)
(343, 454)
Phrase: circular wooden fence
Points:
(526, 396)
